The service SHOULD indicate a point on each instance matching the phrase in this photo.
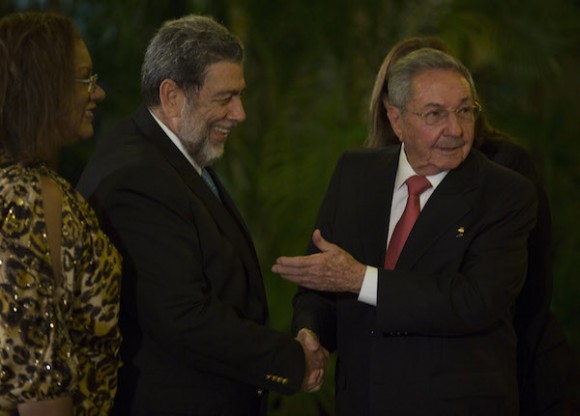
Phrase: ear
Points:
(171, 98)
(395, 118)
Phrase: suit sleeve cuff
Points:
(368, 290)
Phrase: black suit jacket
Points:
(441, 339)
(194, 308)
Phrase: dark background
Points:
(310, 68)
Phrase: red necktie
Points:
(416, 186)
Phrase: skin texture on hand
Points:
(331, 270)
(316, 357)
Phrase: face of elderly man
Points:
(437, 125)
(207, 118)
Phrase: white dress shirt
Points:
(368, 292)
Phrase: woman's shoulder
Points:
(18, 184)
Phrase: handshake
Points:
(316, 357)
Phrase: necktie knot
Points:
(417, 184)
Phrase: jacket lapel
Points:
(452, 199)
(224, 212)
(375, 205)
(241, 237)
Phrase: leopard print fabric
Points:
(60, 339)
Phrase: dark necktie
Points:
(416, 186)
(209, 182)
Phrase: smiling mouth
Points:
(223, 131)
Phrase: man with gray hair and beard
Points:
(194, 309)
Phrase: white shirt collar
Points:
(177, 142)
(405, 171)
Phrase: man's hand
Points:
(316, 357)
(331, 270)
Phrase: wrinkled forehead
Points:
(440, 87)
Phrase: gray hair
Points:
(424, 59)
(182, 50)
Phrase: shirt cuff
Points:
(368, 290)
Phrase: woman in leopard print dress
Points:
(59, 274)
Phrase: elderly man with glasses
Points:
(417, 258)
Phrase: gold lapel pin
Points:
(460, 232)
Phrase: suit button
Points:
(260, 392)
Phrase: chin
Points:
(85, 134)
(208, 156)
(212, 158)
(453, 165)
(216, 152)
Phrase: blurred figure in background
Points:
(543, 354)
(59, 274)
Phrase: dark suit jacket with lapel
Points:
(194, 307)
(441, 339)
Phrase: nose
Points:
(98, 94)
(237, 112)
(453, 126)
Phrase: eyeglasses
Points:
(467, 113)
(91, 81)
